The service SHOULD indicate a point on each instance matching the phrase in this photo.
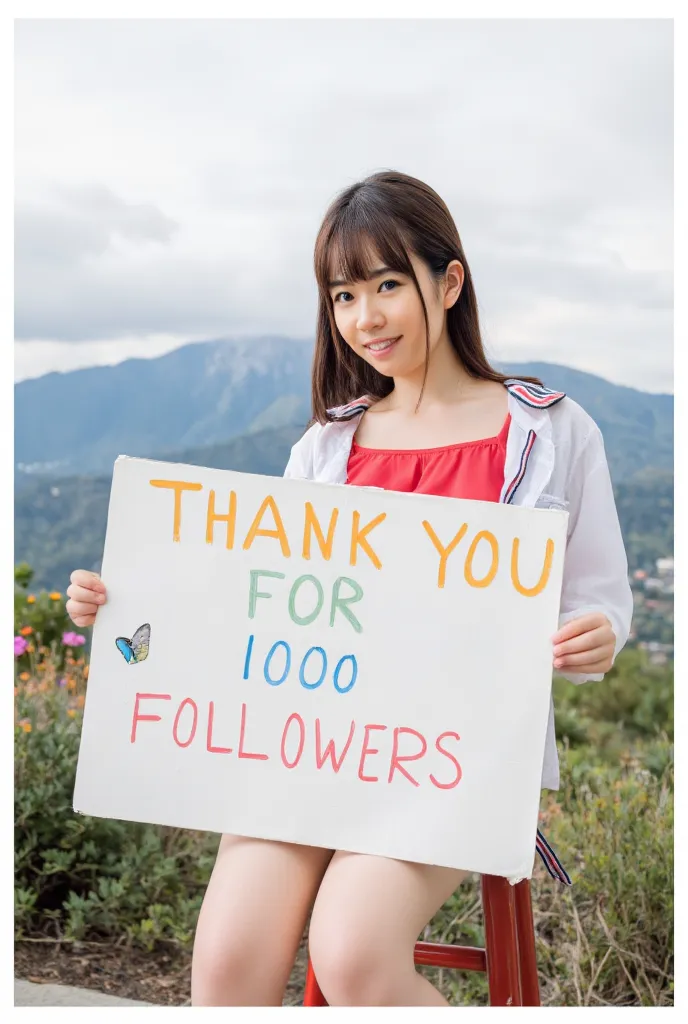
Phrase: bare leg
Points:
(367, 917)
(252, 919)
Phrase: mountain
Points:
(241, 405)
(59, 522)
(638, 427)
(79, 422)
(207, 393)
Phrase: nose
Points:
(369, 316)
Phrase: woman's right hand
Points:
(86, 593)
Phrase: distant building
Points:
(657, 653)
(657, 646)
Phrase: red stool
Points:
(509, 958)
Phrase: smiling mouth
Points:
(381, 346)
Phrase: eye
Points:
(388, 281)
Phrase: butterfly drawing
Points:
(136, 649)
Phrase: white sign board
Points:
(342, 667)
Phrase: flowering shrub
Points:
(73, 640)
(41, 624)
(81, 877)
(607, 940)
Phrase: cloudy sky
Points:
(171, 177)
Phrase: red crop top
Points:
(470, 469)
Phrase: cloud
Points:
(81, 223)
(171, 177)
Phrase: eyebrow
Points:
(375, 273)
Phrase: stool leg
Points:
(312, 995)
(501, 941)
(530, 986)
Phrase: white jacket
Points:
(555, 458)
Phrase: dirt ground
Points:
(161, 978)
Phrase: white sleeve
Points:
(300, 464)
(595, 564)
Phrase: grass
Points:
(607, 940)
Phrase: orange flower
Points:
(26, 725)
(55, 596)
(71, 683)
(25, 631)
(30, 648)
(71, 712)
(25, 676)
(86, 672)
(80, 700)
(30, 599)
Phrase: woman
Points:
(404, 398)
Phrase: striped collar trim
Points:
(346, 412)
(533, 395)
(550, 860)
(510, 491)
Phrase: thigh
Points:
(253, 916)
(367, 904)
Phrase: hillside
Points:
(79, 422)
(241, 405)
(60, 523)
(68, 424)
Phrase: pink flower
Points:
(73, 639)
(20, 645)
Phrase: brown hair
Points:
(391, 213)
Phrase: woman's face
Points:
(382, 319)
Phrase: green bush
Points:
(81, 877)
(614, 930)
(607, 940)
(634, 702)
(42, 620)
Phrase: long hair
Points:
(392, 214)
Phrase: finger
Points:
(83, 620)
(595, 655)
(88, 580)
(581, 625)
(585, 642)
(81, 608)
(79, 593)
(588, 669)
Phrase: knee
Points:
(231, 973)
(353, 969)
(217, 970)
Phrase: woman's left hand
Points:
(585, 645)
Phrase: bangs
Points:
(358, 244)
